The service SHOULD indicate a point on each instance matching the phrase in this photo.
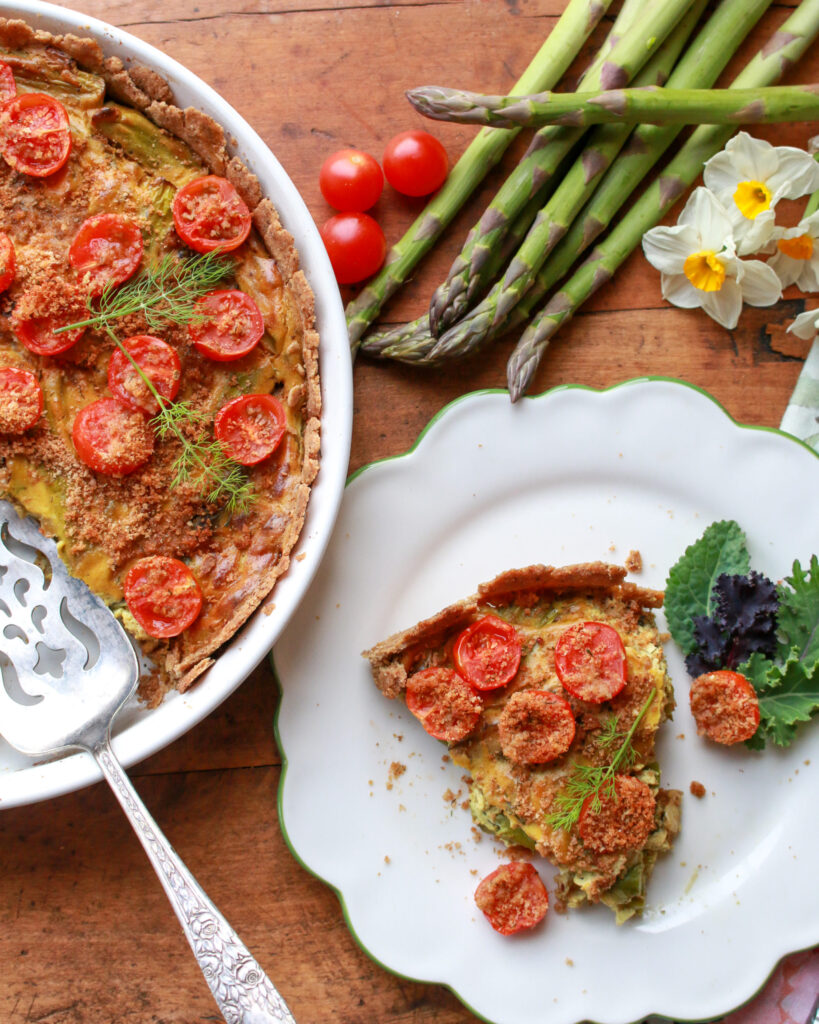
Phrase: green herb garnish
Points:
(167, 294)
(597, 781)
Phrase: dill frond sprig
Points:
(168, 294)
(597, 781)
(164, 294)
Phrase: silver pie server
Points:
(66, 669)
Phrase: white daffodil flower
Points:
(796, 256)
(749, 177)
(806, 324)
(700, 267)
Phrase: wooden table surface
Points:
(86, 933)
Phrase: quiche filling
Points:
(131, 152)
(571, 777)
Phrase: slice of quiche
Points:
(548, 687)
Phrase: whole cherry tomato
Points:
(355, 244)
(351, 180)
(415, 163)
(162, 595)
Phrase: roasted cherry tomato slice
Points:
(250, 428)
(8, 262)
(725, 706)
(21, 400)
(35, 134)
(590, 661)
(110, 438)
(487, 653)
(157, 360)
(39, 335)
(536, 726)
(351, 180)
(415, 163)
(106, 251)
(162, 595)
(208, 214)
(355, 244)
(228, 325)
(444, 703)
(619, 817)
(8, 87)
(513, 897)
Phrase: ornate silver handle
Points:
(242, 990)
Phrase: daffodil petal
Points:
(708, 217)
(753, 235)
(808, 226)
(725, 305)
(786, 269)
(806, 324)
(679, 291)
(796, 175)
(743, 159)
(668, 248)
(808, 279)
(759, 284)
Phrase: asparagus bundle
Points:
(700, 66)
(783, 48)
(470, 273)
(651, 105)
(416, 334)
(545, 70)
(555, 218)
(491, 241)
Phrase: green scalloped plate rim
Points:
(391, 458)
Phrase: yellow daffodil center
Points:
(704, 271)
(752, 198)
(800, 248)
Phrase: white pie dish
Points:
(139, 731)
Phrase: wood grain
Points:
(86, 935)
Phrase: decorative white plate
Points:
(141, 732)
(569, 476)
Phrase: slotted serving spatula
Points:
(66, 669)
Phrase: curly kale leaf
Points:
(689, 589)
(787, 696)
(798, 619)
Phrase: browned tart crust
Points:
(105, 523)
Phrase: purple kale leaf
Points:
(744, 621)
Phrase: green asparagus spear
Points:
(415, 336)
(471, 272)
(412, 344)
(554, 219)
(778, 54)
(545, 70)
(701, 65)
(630, 106)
